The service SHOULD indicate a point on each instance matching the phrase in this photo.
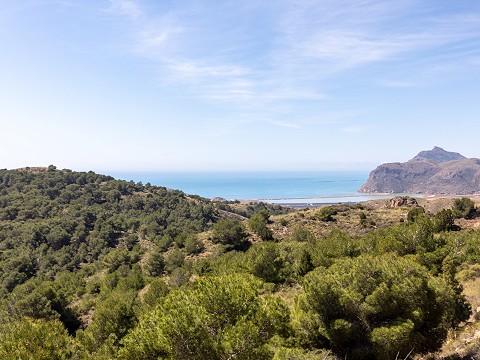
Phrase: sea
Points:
(289, 188)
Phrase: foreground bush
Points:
(218, 318)
(36, 339)
(378, 307)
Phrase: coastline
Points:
(319, 201)
(316, 202)
(292, 189)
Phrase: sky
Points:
(203, 85)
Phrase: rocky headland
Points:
(436, 172)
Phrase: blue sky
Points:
(236, 85)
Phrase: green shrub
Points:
(217, 318)
(156, 291)
(363, 219)
(230, 233)
(112, 319)
(265, 262)
(463, 208)
(379, 307)
(36, 339)
(470, 273)
(326, 213)
(194, 246)
(258, 224)
(305, 265)
(444, 220)
(335, 245)
(174, 260)
(415, 213)
(301, 234)
(155, 263)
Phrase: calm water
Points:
(274, 187)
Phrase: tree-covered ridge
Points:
(52, 220)
(151, 273)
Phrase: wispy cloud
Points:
(192, 70)
(128, 8)
(349, 47)
(334, 37)
(280, 53)
(284, 124)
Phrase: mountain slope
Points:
(434, 171)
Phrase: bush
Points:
(302, 234)
(258, 224)
(265, 262)
(230, 233)
(305, 264)
(415, 213)
(37, 299)
(174, 260)
(36, 339)
(155, 264)
(178, 277)
(156, 291)
(217, 318)
(326, 213)
(336, 245)
(463, 208)
(163, 242)
(363, 219)
(379, 307)
(194, 246)
(470, 273)
(113, 317)
(444, 220)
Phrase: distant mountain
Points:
(438, 154)
(433, 171)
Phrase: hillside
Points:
(97, 268)
(430, 172)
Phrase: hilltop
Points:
(435, 171)
(438, 154)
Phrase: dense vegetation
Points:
(52, 221)
(96, 268)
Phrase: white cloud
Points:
(330, 38)
(152, 40)
(344, 46)
(298, 50)
(284, 124)
(127, 8)
(192, 70)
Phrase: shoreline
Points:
(320, 201)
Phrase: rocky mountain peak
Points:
(435, 171)
(438, 154)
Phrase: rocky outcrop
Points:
(399, 201)
(430, 172)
